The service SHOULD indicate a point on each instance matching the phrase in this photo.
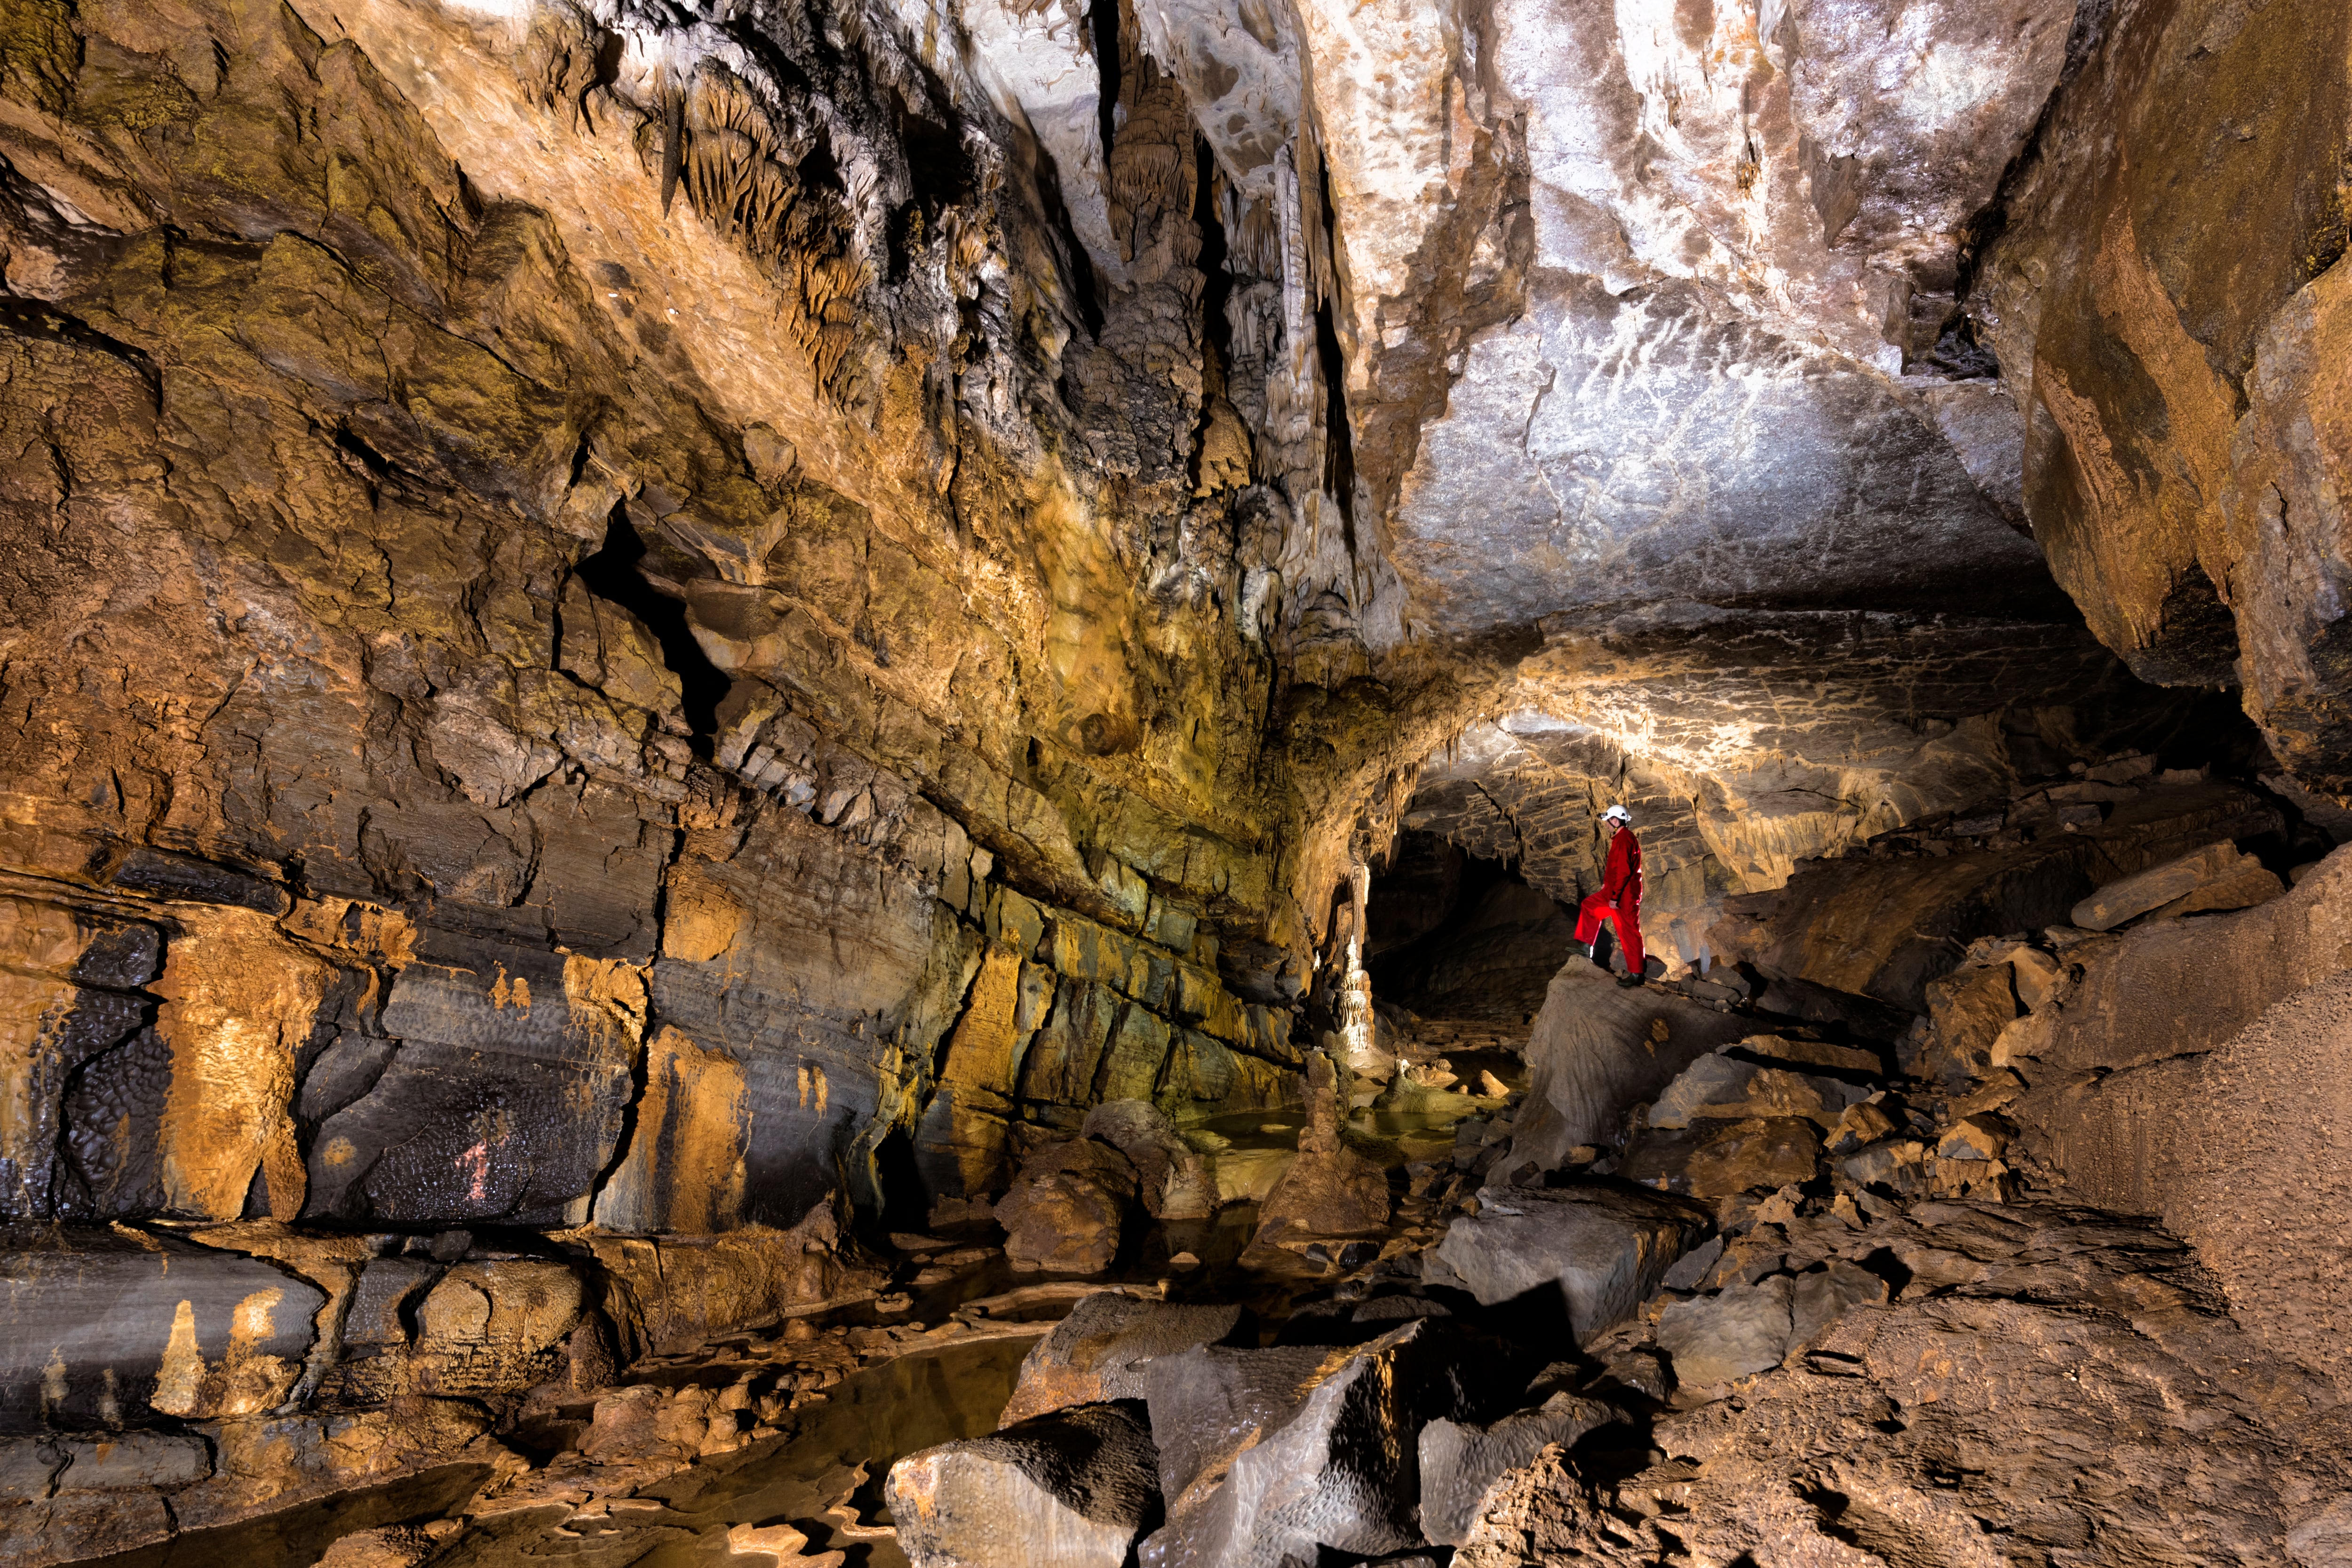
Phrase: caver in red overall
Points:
(1618, 899)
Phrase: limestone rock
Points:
(1710, 1082)
(1104, 1350)
(1757, 1154)
(1862, 1122)
(2168, 884)
(2244, 887)
(1784, 1049)
(131, 1461)
(633, 632)
(1072, 1489)
(1317, 1449)
(1896, 1163)
(1066, 1208)
(186, 1332)
(1173, 1180)
(1742, 1329)
(1717, 1088)
(2230, 341)
(1976, 1137)
(1874, 1390)
(1969, 1009)
(2038, 977)
(1597, 1050)
(2181, 1081)
(1887, 928)
(1330, 1190)
(1460, 1461)
(1602, 1249)
(1750, 1328)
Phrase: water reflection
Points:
(823, 1478)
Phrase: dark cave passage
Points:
(1454, 935)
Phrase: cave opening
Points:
(1450, 934)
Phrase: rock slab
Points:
(1105, 1348)
(1315, 1454)
(1068, 1491)
(1603, 1248)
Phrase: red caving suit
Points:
(1618, 899)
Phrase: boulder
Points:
(1722, 1088)
(1172, 1177)
(1460, 1460)
(1864, 1122)
(1691, 1269)
(1104, 1349)
(1598, 1050)
(1978, 1137)
(1825, 1294)
(1710, 1082)
(1068, 1491)
(1741, 1330)
(1762, 1153)
(2037, 976)
(1066, 1208)
(1896, 1163)
(2170, 882)
(2250, 883)
(1603, 1249)
(1751, 1328)
(1291, 1455)
(1969, 1008)
(1206, 1401)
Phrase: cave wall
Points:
(2193, 1070)
(2167, 296)
(593, 627)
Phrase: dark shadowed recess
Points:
(612, 574)
(1453, 935)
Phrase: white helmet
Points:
(1618, 814)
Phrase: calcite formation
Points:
(663, 663)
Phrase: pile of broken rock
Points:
(1798, 1305)
(1811, 1300)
